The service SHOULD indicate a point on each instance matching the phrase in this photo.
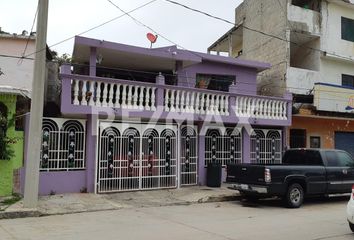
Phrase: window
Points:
(297, 138)
(332, 160)
(347, 80)
(315, 142)
(347, 29)
(302, 157)
(345, 160)
(214, 82)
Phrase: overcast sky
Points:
(71, 17)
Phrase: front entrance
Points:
(136, 157)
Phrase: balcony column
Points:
(289, 98)
(93, 57)
(160, 98)
(66, 88)
(232, 101)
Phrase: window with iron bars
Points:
(223, 145)
(63, 145)
(266, 146)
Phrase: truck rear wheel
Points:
(294, 196)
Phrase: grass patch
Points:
(9, 201)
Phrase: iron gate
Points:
(189, 156)
(266, 146)
(136, 157)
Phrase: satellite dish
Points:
(152, 38)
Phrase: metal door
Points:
(136, 156)
(189, 156)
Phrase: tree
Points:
(64, 58)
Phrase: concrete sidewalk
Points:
(85, 202)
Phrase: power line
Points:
(29, 36)
(95, 27)
(254, 30)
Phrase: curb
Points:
(19, 214)
(35, 213)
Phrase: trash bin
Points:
(214, 174)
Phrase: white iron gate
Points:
(136, 157)
(189, 155)
(266, 146)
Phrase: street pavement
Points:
(318, 219)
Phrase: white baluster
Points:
(216, 104)
(141, 97)
(83, 93)
(202, 102)
(104, 96)
(173, 109)
(266, 109)
(91, 92)
(226, 106)
(281, 117)
(98, 94)
(237, 106)
(197, 102)
(257, 108)
(117, 104)
(276, 109)
(183, 104)
(191, 108)
(147, 99)
(178, 101)
(285, 110)
(249, 106)
(153, 99)
(212, 104)
(129, 97)
(188, 109)
(207, 103)
(124, 96)
(76, 92)
(135, 97)
(167, 99)
(110, 95)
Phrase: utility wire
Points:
(93, 28)
(29, 36)
(254, 30)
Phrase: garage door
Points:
(345, 141)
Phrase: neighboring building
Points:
(135, 118)
(312, 56)
(15, 87)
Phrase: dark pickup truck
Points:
(303, 172)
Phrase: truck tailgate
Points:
(245, 173)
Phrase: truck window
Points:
(332, 159)
(345, 160)
(302, 157)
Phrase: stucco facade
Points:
(132, 95)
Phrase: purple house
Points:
(135, 118)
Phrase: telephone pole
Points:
(35, 123)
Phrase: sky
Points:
(67, 18)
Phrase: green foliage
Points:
(64, 58)
(7, 151)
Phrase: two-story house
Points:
(310, 44)
(136, 118)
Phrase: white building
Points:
(310, 44)
(16, 72)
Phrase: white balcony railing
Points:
(261, 108)
(123, 94)
(193, 101)
(115, 95)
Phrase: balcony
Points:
(304, 19)
(106, 96)
(301, 81)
